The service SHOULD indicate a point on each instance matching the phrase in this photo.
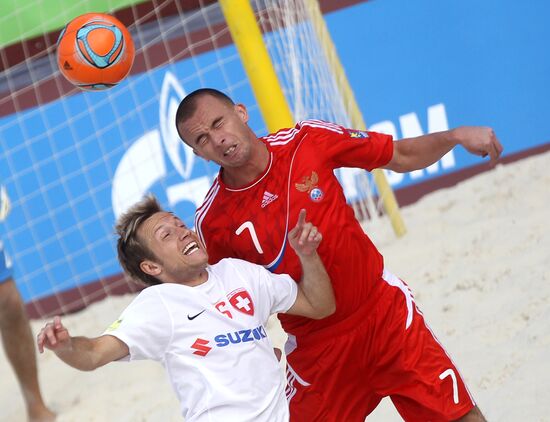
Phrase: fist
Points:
(480, 140)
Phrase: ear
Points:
(151, 268)
(242, 112)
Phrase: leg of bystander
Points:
(20, 349)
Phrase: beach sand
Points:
(477, 257)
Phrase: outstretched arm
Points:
(315, 297)
(415, 153)
(82, 353)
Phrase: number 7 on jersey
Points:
(248, 225)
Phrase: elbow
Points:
(84, 366)
(330, 310)
(397, 168)
(92, 366)
(89, 364)
(400, 165)
(325, 311)
(403, 159)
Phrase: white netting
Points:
(309, 84)
(72, 161)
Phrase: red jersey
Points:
(252, 222)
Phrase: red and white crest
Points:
(240, 299)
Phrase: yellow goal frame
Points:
(247, 37)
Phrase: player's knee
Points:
(11, 305)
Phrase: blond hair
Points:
(132, 250)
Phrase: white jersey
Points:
(212, 341)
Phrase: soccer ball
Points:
(95, 51)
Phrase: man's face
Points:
(218, 131)
(177, 249)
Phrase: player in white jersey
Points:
(205, 324)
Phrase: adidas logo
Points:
(268, 198)
(67, 66)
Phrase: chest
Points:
(259, 218)
(210, 322)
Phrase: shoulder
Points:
(287, 135)
(310, 127)
(208, 208)
(147, 296)
(233, 264)
(320, 126)
(160, 295)
(237, 268)
(210, 197)
(159, 302)
(145, 308)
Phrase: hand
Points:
(304, 238)
(479, 140)
(54, 336)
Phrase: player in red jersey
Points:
(376, 344)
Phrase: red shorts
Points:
(388, 351)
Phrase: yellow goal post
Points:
(247, 36)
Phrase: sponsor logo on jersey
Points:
(268, 198)
(241, 336)
(114, 325)
(192, 317)
(241, 300)
(202, 346)
(358, 134)
(309, 184)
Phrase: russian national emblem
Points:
(309, 184)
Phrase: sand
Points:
(478, 259)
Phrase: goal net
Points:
(72, 161)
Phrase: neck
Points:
(236, 177)
(199, 278)
(190, 279)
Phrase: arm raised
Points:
(415, 153)
(315, 298)
(82, 353)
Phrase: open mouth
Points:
(191, 248)
(229, 150)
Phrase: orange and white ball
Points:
(95, 51)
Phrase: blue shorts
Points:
(5, 265)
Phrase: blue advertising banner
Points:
(70, 167)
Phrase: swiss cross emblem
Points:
(241, 301)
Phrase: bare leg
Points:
(19, 346)
(473, 415)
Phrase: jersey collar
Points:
(251, 184)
